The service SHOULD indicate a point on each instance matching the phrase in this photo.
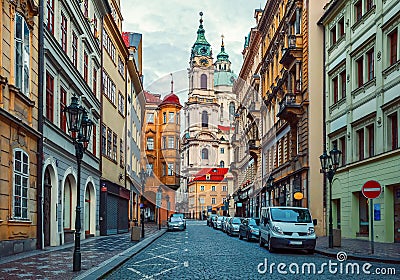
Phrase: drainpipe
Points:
(39, 154)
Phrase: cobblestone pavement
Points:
(57, 263)
(200, 252)
(362, 248)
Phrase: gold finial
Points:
(201, 18)
(172, 83)
(222, 37)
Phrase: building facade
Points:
(362, 113)
(19, 127)
(115, 194)
(208, 112)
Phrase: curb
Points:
(105, 267)
(359, 257)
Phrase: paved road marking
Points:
(154, 257)
(161, 257)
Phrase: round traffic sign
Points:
(371, 189)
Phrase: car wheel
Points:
(240, 236)
(261, 242)
(248, 237)
(270, 248)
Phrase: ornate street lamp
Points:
(270, 187)
(142, 175)
(80, 127)
(329, 165)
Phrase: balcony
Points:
(293, 51)
(289, 109)
(253, 147)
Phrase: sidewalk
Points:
(357, 249)
(99, 255)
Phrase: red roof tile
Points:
(152, 98)
(216, 174)
(171, 99)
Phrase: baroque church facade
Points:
(208, 116)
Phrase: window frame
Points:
(50, 16)
(49, 96)
(64, 32)
(23, 176)
(22, 49)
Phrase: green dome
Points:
(201, 46)
(222, 56)
(224, 78)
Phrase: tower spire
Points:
(222, 43)
(172, 83)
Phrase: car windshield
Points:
(220, 218)
(254, 222)
(290, 215)
(176, 219)
(178, 215)
(236, 221)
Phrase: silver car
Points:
(233, 226)
(219, 222)
(175, 223)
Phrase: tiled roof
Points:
(171, 99)
(216, 174)
(152, 98)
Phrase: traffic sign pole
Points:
(371, 189)
(371, 206)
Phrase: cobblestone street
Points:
(203, 253)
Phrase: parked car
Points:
(209, 219)
(214, 221)
(182, 216)
(225, 223)
(218, 222)
(287, 227)
(249, 229)
(175, 223)
(233, 226)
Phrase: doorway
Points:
(397, 214)
(47, 208)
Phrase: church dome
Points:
(171, 98)
(224, 78)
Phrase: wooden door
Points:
(47, 207)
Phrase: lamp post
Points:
(329, 165)
(80, 127)
(142, 175)
(228, 197)
(270, 187)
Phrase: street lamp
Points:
(329, 165)
(80, 127)
(270, 187)
(142, 175)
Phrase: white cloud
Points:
(169, 31)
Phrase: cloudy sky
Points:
(169, 31)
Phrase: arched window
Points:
(22, 54)
(67, 204)
(203, 81)
(204, 154)
(21, 184)
(222, 164)
(204, 119)
(231, 110)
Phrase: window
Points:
(177, 143)
(360, 71)
(222, 150)
(103, 140)
(204, 119)
(204, 154)
(109, 87)
(164, 142)
(21, 183)
(203, 81)
(150, 143)
(50, 16)
(114, 155)
(369, 5)
(94, 81)
(222, 164)
(343, 84)
(121, 152)
(22, 54)
(335, 89)
(49, 97)
(213, 188)
(224, 188)
(170, 169)
(121, 104)
(108, 45)
(63, 116)
(121, 66)
(393, 131)
(371, 141)
(370, 66)
(360, 143)
(213, 200)
(363, 214)
(333, 35)
(164, 117)
(95, 27)
(109, 142)
(171, 144)
(85, 66)
(67, 204)
(177, 118)
(393, 47)
(86, 8)
(342, 147)
(150, 117)
(64, 30)
(202, 188)
(358, 10)
(231, 110)
(163, 169)
(94, 141)
(74, 49)
(149, 169)
(171, 117)
(341, 27)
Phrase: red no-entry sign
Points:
(371, 189)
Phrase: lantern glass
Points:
(86, 129)
(324, 158)
(335, 156)
(74, 114)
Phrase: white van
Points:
(287, 227)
